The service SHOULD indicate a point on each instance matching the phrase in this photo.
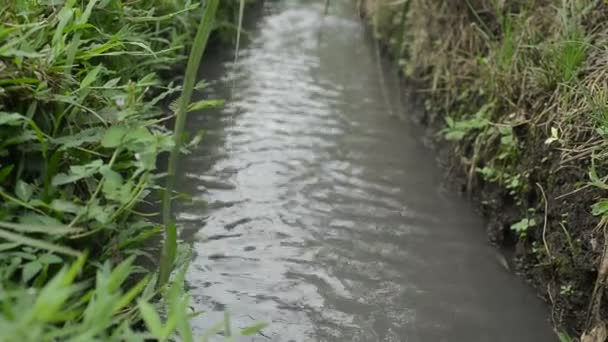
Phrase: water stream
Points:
(325, 215)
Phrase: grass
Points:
(200, 43)
(518, 89)
(83, 85)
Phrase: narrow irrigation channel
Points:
(324, 213)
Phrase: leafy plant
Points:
(82, 117)
(457, 129)
(521, 227)
(564, 337)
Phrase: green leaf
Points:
(143, 46)
(212, 331)
(128, 297)
(164, 17)
(53, 229)
(11, 119)
(204, 104)
(114, 136)
(53, 296)
(91, 135)
(65, 15)
(194, 142)
(77, 173)
(254, 329)
(8, 246)
(183, 323)
(30, 270)
(48, 259)
(112, 83)
(40, 244)
(202, 84)
(522, 226)
(114, 188)
(455, 135)
(151, 318)
(64, 206)
(90, 77)
(144, 235)
(600, 208)
(564, 337)
(99, 213)
(32, 219)
(140, 135)
(87, 12)
(111, 176)
(5, 172)
(24, 190)
(119, 274)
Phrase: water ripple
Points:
(324, 215)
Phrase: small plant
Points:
(599, 208)
(521, 227)
(514, 184)
(564, 337)
(571, 51)
(508, 44)
(500, 168)
(457, 129)
(488, 173)
(566, 290)
(554, 137)
(565, 55)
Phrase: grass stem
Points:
(200, 43)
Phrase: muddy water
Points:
(325, 216)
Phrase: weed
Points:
(81, 129)
(521, 227)
(566, 290)
(564, 337)
(458, 129)
(200, 43)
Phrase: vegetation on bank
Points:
(84, 86)
(519, 89)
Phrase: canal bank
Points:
(514, 102)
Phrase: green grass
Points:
(200, 43)
(83, 85)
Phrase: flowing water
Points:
(324, 212)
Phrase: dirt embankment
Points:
(516, 98)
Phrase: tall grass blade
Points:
(239, 30)
(402, 29)
(200, 43)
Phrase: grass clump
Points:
(82, 125)
(518, 89)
